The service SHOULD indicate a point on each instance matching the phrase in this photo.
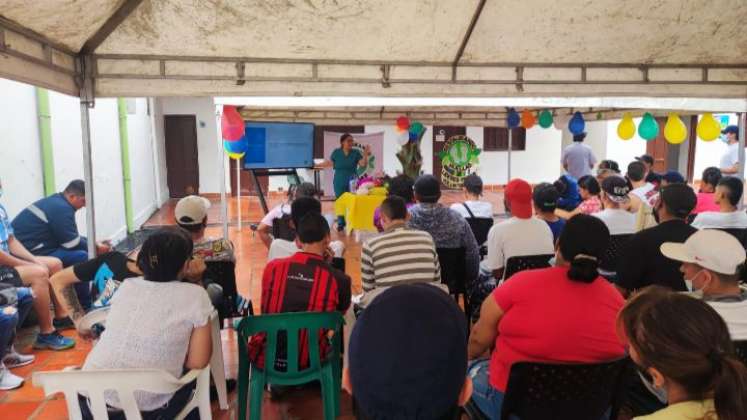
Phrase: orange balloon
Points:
(528, 119)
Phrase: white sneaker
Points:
(14, 359)
(8, 380)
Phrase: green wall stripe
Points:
(44, 116)
(124, 144)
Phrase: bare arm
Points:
(485, 331)
(21, 253)
(200, 347)
(11, 261)
(729, 170)
(63, 284)
(564, 214)
(264, 234)
(364, 160)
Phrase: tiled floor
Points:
(28, 402)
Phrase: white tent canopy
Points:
(668, 48)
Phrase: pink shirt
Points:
(705, 203)
(591, 205)
(549, 318)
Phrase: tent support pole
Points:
(238, 190)
(742, 127)
(510, 140)
(85, 123)
(219, 145)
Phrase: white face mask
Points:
(689, 282)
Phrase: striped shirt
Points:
(399, 256)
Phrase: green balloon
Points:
(648, 129)
(417, 128)
(545, 119)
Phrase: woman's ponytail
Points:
(584, 268)
(730, 388)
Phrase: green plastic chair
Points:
(327, 372)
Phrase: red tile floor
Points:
(28, 402)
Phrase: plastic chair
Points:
(124, 382)
(609, 260)
(454, 273)
(253, 380)
(526, 262)
(565, 391)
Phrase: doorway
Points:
(182, 167)
(440, 135)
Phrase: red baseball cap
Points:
(518, 194)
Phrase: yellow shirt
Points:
(686, 410)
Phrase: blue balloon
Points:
(512, 119)
(577, 124)
(239, 146)
(414, 136)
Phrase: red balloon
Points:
(403, 123)
(231, 123)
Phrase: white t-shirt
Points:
(646, 193)
(735, 316)
(717, 220)
(730, 156)
(280, 248)
(517, 237)
(479, 209)
(276, 213)
(618, 221)
(149, 326)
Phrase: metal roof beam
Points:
(466, 38)
(109, 26)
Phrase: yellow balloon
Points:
(675, 130)
(708, 128)
(236, 156)
(626, 128)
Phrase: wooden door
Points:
(659, 149)
(440, 135)
(247, 181)
(182, 167)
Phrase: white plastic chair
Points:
(124, 382)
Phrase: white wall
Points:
(623, 151)
(210, 158)
(708, 153)
(20, 166)
(159, 151)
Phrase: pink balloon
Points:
(232, 125)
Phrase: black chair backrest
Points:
(612, 253)
(740, 234)
(453, 270)
(224, 273)
(281, 228)
(480, 227)
(740, 348)
(565, 391)
(526, 262)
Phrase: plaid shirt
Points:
(300, 283)
(6, 230)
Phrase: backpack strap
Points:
(471, 215)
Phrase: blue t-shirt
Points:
(6, 230)
(556, 227)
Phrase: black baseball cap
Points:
(616, 188)
(408, 361)
(679, 199)
(673, 177)
(545, 197)
(647, 159)
(731, 129)
(427, 188)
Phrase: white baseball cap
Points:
(191, 210)
(709, 248)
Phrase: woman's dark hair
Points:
(402, 186)
(583, 241)
(688, 342)
(590, 184)
(164, 253)
(609, 164)
(711, 176)
(345, 137)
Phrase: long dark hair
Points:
(164, 253)
(590, 184)
(582, 243)
(687, 341)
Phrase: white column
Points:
(219, 145)
(88, 176)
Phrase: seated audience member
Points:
(15, 304)
(607, 168)
(713, 263)
(567, 188)
(614, 197)
(472, 205)
(641, 262)
(727, 196)
(683, 348)
(521, 234)
(545, 199)
(48, 226)
(643, 192)
(34, 272)
(264, 230)
(157, 321)
(706, 200)
(644, 217)
(520, 323)
(447, 228)
(301, 206)
(401, 186)
(588, 188)
(400, 255)
(302, 282)
(671, 177)
(409, 361)
(648, 164)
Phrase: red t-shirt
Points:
(550, 318)
(705, 203)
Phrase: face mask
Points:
(689, 282)
(659, 393)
